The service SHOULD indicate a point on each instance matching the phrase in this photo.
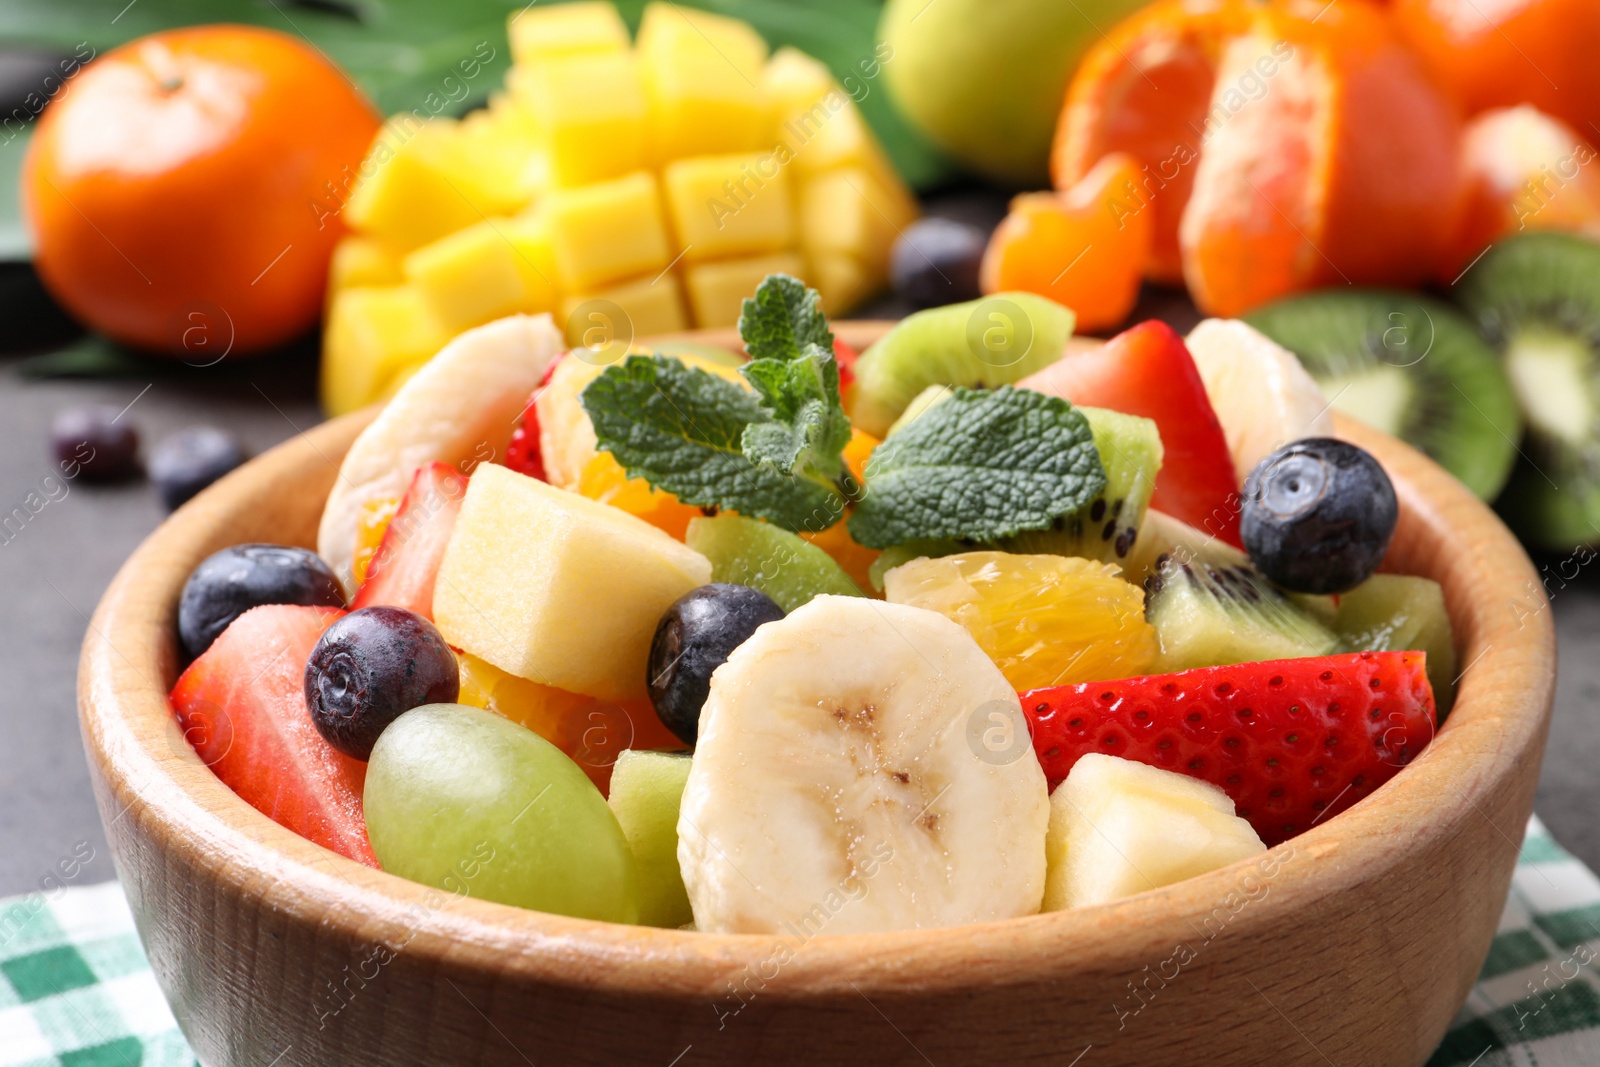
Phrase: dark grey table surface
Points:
(54, 569)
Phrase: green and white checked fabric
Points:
(76, 991)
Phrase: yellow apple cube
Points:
(615, 317)
(841, 280)
(849, 210)
(373, 337)
(557, 588)
(702, 77)
(590, 26)
(409, 191)
(591, 113)
(607, 231)
(469, 277)
(724, 206)
(717, 291)
(363, 261)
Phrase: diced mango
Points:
(501, 154)
(363, 261)
(717, 291)
(529, 568)
(850, 211)
(723, 206)
(793, 82)
(590, 110)
(702, 77)
(372, 338)
(409, 192)
(841, 280)
(607, 231)
(469, 277)
(648, 307)
(832, 135)
(588, 26)
(536, 261)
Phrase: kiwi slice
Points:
(1536, 298)
(1211, 610)
(1398, 612)
(1105, 528)
(997, 340)
(749, 552)
(1410, 366)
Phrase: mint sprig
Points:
(980, 465)
(682, 430)
(783, 319)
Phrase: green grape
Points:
(463, 800)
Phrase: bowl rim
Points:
(149, 773)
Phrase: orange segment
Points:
(370, 528)
(856, 559)
(1044, 620)
(589, 730)
(603, 479)
(1524, 170)
(1084, 248)
(1507, 52)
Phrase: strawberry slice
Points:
(242, 705)
(1291, 741)
(406, 564)
(846, 357)
(1146, 370)
(523, 454)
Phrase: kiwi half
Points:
(1410, 366)
(1536, 299)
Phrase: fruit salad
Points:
(975, 623)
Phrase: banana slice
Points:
(1262, 395)
(460, 408)
(862, 766)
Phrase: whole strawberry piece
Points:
(1291, 741)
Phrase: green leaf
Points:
(782, 319)
(681, 429)
(980, 465)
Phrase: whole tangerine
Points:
(177, 188)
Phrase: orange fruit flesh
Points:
(591, 731)
(370, 528)
(1044, 620)
(604, 479)
(856, 559)
(1524, 170)
(1084, 248)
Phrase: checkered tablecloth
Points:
(77, 991)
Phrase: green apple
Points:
(646, 789)
(984, 79)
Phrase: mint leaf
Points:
(782, 319)
(980, 465)
(682, 430)
(809, 427)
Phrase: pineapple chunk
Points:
(725, 206)
(1118, 828)
(591, 113)
(587, 26)
(556, 588)
(849, 210)
(471, 276)
(363, 261)
(648, 307)
(566, 437)
(607, 231)
(412, 188)
(717, 291)
(372, 338)
(702, 79)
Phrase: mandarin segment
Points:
(1044, 620)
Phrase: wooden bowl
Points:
(1355, 946)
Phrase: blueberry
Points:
(1318, 515)
(231, 582)
(935, 261)
(183, 463)
(371, 667)
(693, 638)
(95, 443)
